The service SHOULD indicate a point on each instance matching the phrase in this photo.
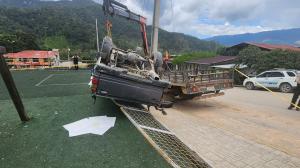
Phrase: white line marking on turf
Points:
(42, 81)
(65, 84)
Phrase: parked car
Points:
(284, 80)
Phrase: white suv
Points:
(284, 80)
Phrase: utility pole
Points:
(12, 89)
(97, 34)
(155, 27)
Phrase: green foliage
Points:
(18, 41)
(56, 42)
(266, 60)
(227, 51)
(193, 56)
(221, 51)
(64, 24)
(250, 56)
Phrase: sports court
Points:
(56, 98)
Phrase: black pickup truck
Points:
(119, 84)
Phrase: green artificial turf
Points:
(43, 142)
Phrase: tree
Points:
(251, 56)
(56, 42)
(259, 60)
(18, 41)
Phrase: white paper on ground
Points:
(106, 124)
(94, 125)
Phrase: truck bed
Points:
(200, 81)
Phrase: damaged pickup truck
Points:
(122, 75)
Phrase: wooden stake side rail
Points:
(185, 77)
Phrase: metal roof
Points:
(213, 60)
(32, 54)
(274, 46)
(230, 66)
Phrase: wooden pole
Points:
(12, 89)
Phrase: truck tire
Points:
(286, 88)
(249, 85)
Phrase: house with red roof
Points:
(32, 59)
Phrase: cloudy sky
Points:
(206, 18)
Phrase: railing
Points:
(200, 76)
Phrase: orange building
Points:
(32, 59)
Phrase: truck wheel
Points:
(286, 88)
(249, 86)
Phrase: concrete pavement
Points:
(241, 129)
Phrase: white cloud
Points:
(233, 10)
(226, 29)
(205, 18)
(297, 43)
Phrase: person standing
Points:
(75, 62)
(296, 94)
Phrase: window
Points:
(35, 60)
(23, 59)
(8, 60)
(46, 60)
(276, 74)
(291, 74)
(263, 75)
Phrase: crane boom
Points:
(112, 7)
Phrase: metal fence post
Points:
(12, 89)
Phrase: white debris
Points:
(92, 125)
(90, 83)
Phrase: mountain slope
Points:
(289, 36)
(73, 22)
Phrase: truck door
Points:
(262, 79)
(292, 78)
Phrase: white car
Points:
(284, 80)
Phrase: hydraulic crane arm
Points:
(112, 7)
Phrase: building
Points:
(264, 47)
(204, 63)
(32, 59)
(212, 61)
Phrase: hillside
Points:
(289, 36)
(71, 24)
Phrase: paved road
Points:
(241, 129)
